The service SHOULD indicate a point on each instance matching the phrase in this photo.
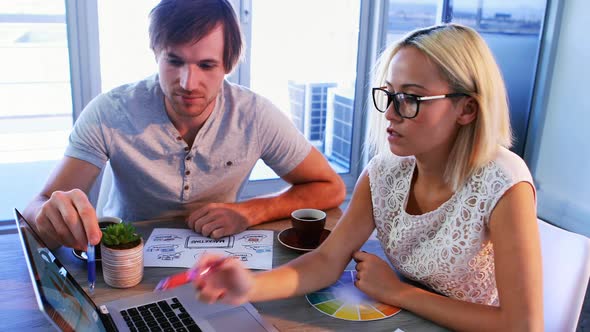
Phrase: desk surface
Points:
(19, 310)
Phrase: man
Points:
(183, 142)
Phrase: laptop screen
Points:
(59, 296)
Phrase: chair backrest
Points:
(566, 269)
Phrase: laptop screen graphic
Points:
(58, 295)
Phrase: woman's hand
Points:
(222, 280)
(377, 279)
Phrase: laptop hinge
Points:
(105, 317)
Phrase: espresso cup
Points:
(308, 225)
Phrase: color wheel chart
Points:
(344, 301)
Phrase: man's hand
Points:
(217, 220)
(68, 218)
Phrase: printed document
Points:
(176, 247)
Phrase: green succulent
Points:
(121, 234)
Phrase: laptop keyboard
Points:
(166, 315)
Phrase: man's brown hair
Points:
(175, 22)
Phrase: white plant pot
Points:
(122, 268)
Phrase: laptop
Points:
(65, 304)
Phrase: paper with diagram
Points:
(176, 247)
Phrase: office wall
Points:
(561, 146)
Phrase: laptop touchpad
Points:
(235, 319)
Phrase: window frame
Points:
(83, 48)
(84, 52)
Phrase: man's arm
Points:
(61, 212)
(314, 185)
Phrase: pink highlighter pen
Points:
(187, 276)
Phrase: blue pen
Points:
(91, 267)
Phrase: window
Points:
(557, 143)
(306, 64)
(511, 29)
(406, 15)
(125, 54)
(36, 112)
(311, 58)
(296, 87)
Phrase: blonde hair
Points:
(467, 63)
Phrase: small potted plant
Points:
(122, 256)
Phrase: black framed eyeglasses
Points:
(406, 105)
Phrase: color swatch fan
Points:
(343, 300)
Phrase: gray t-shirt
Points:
(156, 174)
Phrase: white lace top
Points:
(448, 249)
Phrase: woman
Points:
(454, 209)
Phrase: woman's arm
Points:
(517, 257)
(323, 266)
(305, 274)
